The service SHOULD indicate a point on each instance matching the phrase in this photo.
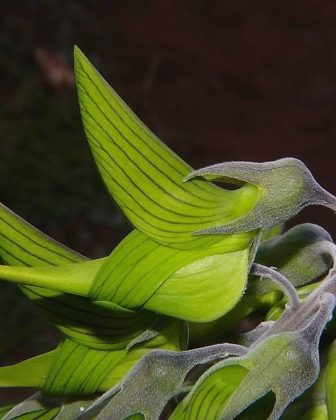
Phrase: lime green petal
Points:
(29, 373)
(143, 176)
(76, 317)
(88, 323)
(22, 244)
(203, 333)
(79, 318)
(203, 290)
(139, 268)
(79, 370)
(212, 395)
(69, 278)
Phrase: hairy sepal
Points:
(287, 351)
(285, 187)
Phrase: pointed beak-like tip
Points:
(334, 203)
(326, 199)
(79, 56)
(317, 195)
(77, 51)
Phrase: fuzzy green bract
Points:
(146, 326)
(285, 187)
(302, 253)
(283, 359)
(157, 377)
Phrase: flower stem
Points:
(71, 278)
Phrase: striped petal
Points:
(80, 371)
(195, 285)
(90, 324)
(76, 317)
(143, 176)
(23, 244)
(76, 370)
(198, 285)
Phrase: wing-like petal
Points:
(143, 176)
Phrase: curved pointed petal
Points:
(29, 373)
(199, 284)
(23, 244)
(76, 317)
(143, 176)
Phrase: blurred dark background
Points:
(216, 80)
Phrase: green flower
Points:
(187, 260)
(283, 359)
